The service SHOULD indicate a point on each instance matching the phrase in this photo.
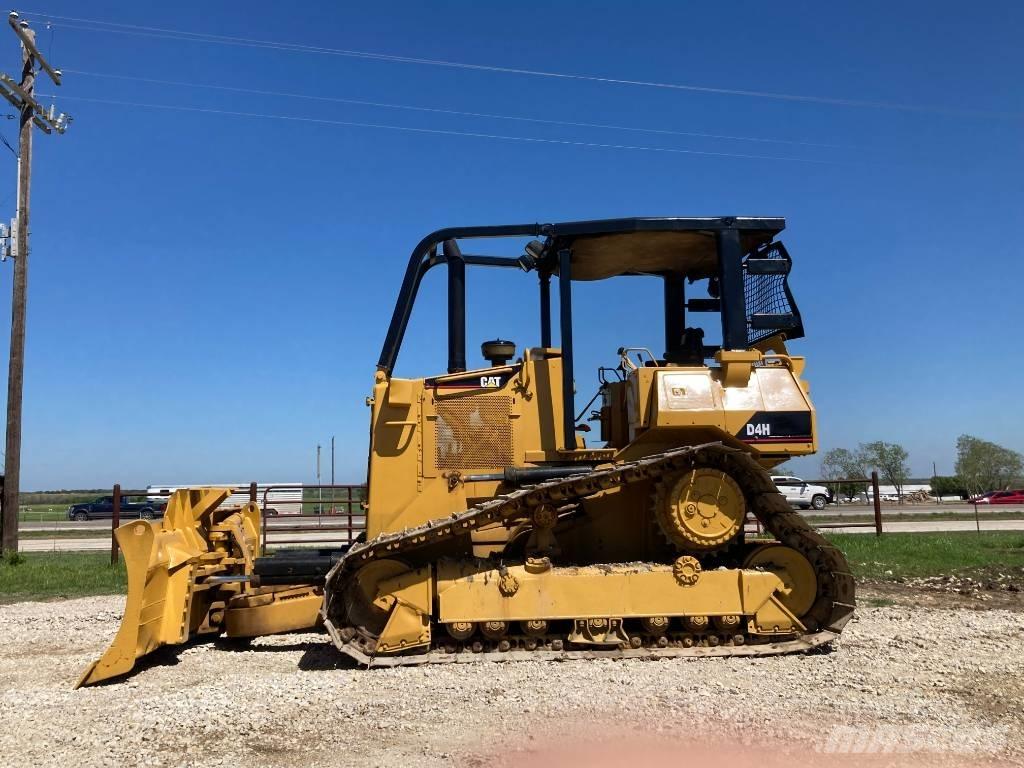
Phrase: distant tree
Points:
(948, 486)
(844, 464)
(841, 463)
(890, 460)
(985, 466)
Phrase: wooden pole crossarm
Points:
(27, 98)
(16, 88)
(9, 95)
(30, 45)
(41, 117)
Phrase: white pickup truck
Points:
(801, 494)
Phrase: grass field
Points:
(42, 513)
(40, 506)
(900, 555)
(42, 576)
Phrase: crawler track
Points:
(832, 607)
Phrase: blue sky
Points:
(209, 292)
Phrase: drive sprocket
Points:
(700, 509)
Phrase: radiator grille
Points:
(474, 433)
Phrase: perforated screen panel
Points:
(474, 433)
(770, 295)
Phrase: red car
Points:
(1001, 497)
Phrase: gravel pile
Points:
(967, 585)
(922, 684)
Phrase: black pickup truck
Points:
(131, 508)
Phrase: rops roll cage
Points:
(554, 256)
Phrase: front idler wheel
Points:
(799, 582)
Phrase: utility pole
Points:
(21, 96)
(332, 474)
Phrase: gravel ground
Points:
(924, 685)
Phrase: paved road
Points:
(923, 526)
(842, 510)
(836, 511)
(908, 526)
(92, 544)
(103, 526)
(63, 545)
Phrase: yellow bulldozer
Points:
(494, 531)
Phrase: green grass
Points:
(40, 506)
(42, 513)
(45, 575)
(319, 500)
(901, 555)
(62, 498)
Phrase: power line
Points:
(8, 145)
(438, 110)
(445, 132)
(95, 25)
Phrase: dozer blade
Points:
(182, 572)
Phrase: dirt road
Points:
(920, 684)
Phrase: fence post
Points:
(115, 520)
(263, 520)
(878, 503)
(348, 505)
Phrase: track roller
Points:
(494, 630)
(461, 630)
(534, 627)
(696, 623)
(655, 625)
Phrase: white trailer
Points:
(281, 498)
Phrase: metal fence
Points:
(329, 515)
(335, 515)
(753, 523)
(876, 503)
(340, 518)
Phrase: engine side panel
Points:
(431, 437)
(756, 402)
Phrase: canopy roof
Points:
(691, 253)
(610, 247)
